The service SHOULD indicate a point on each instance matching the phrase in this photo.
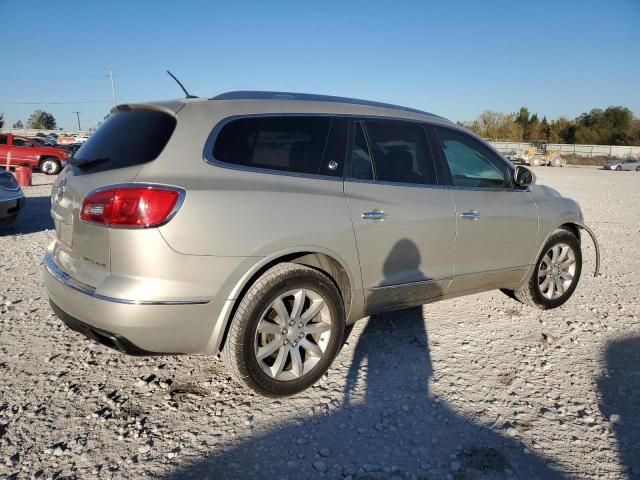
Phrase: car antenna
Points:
(181, 86)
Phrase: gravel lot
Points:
(476, 387)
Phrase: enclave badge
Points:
(61, 187)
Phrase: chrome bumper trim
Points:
(57, 273)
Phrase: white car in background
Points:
(619, 164)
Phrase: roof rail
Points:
(310, 97)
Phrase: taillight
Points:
(130, 206)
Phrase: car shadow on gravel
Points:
(34, 217)
(388, 424)
(619, 390)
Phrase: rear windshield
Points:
(127, 138)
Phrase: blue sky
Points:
(453, 58)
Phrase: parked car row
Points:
(27, 152)
(43, 141)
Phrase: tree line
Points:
(612, 126)
(38, 119)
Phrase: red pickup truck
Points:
(49, 160)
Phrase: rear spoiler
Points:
(172, 107)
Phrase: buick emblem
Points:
(61, 187)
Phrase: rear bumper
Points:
(62, 277)
(109, 339)
(131, 326)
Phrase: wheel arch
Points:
(313, 257)
(575, 228)
(570, 226)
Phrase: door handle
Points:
(375, 215)
(470, 215)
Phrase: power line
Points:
(54, 103)
(11, 75)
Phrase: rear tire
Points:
(286, 331)
(556, 273)
(50, 166)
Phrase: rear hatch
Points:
(131, 137)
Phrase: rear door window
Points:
(308, 145)
(127, 138)
(361, 161)
(400, 152)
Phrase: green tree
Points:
(496, 126)
(41, 119)
(18, 124)
(620, 120)
(545, 129)
(587, 135)
(562, 130)
(533, 128)
(522, 118)
(1, 120)
(635, 131)
(612, 126)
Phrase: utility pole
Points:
(78, 115)
(113, 88)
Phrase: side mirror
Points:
(523, 177)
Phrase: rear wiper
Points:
(87, 162)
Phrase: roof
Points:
(310, 97)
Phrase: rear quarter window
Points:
(127, 138)
(308, 145)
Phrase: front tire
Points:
(619, 168)
(50, 166)
(556, 273)
(286, 331)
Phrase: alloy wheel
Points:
(293, 334)
(556, 271)
(49, 167)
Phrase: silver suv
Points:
(258, 225)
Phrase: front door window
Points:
(471, 163)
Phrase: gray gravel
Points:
(476, 387)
